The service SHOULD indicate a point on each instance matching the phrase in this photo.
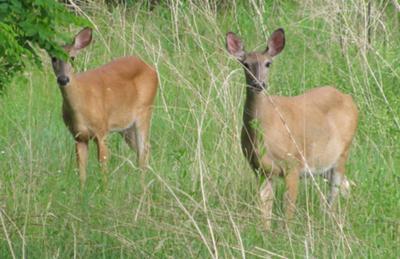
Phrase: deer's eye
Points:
(268, 64)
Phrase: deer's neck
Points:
(71, 94)
(254, 99)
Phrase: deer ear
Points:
(81, 40)
(234, 46)
(276, 42)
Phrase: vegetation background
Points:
(200, 198)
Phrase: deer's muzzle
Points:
(62, 80)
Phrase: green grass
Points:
(200, 197)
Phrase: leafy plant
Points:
(26, 25)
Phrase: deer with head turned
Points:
(292, 136)
(117, 96)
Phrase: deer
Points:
(291, 136)
(115, 97)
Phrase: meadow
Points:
(199, 199)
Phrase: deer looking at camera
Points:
(117, 96)
(292, 136)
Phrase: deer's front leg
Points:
(267, 199)
(290, 196)
(81, 157)
(102, 155)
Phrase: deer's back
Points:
(126, 78)
(110, 97)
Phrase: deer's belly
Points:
(322, 158)
(122, 123)
(315, 158)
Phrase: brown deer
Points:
(117, 96)
(292, 136)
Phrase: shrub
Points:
(26, 25)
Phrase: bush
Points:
(26, 25)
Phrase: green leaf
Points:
(26, 23)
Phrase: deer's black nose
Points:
(259, 84)
(62, 80)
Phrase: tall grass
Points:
(199, 199)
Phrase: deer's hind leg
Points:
(129, 136)
(338, 180)
(137, 137)
(142, 132)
